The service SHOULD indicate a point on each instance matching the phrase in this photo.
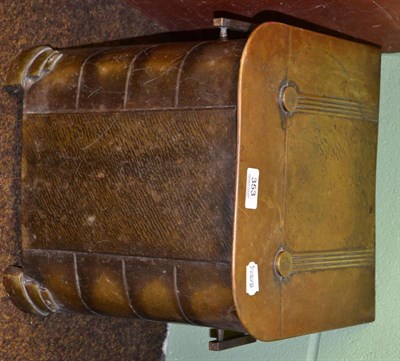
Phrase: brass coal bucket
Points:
(224, 183)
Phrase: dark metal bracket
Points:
(224, 24)
(228, 339)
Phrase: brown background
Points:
(59, 337)
(376, 21)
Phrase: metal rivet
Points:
(289, 98)
(284, 263)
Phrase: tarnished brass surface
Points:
(128, 180)
(135, 178)
(316, 158)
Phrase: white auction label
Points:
(252, 286)
(253, 175)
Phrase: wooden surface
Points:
(376, 21)
(59, 337)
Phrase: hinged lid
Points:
(303, 258)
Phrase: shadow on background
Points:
(213, 33)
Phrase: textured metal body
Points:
(134, 181)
